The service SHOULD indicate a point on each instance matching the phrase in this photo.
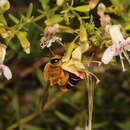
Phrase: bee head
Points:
(55, 60)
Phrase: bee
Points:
(55, 75)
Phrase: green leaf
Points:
(83, 33)
(66, 18)
(24, 41)
(83, 8)
(31, 127)
(44, 4)
(55, 19)
(126, 3)
(118, 5)
(30, 9)
(13, 18)
(127, 27)
(66, 29)
(3, 20)
(124, 125)
(100, 125)
(64, 117)
(15, 104)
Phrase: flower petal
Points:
(7, 72)
(2, 52)
(74, 67)
(76, 54)
(108, 55)
(116, 34)
(128, 44)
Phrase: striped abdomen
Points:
(73, 80)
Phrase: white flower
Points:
(119, 46)
(49, 36)
(3, 68)
(4, 5)
(6, 71)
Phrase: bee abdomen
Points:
(73, 80)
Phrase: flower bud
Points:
(59, 2)
(2, 52)
(93, 3)
(4, 6)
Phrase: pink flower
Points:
(6, 71)
(3, 68)
(119, 46)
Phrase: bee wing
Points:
(108, 55)
(76, 54)
(74, 67)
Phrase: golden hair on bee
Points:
(55, 75)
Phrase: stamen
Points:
(88, 63)
(98, 62)
(126, 55)
(122, 63)
(97, 79)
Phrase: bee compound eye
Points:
(53, 61)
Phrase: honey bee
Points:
(54, 74)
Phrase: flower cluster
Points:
(119, 46)
(74, 64)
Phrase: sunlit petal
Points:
(116, 34)
(7, 72)
(128, 44)
(108, 55)
(2, 52)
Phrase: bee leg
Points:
(51, 51)
(63, 89)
